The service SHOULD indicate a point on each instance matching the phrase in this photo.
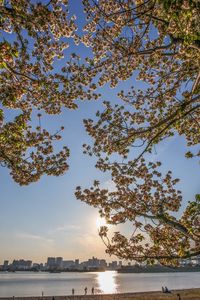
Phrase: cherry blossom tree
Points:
(157, 43)
(34, 35)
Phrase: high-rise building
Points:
(76, 263)
(102, 263)
(93, 262)
(51, 262)
(59, 262)
(113, 265)
(6, 263)
(120, 263)
(21, 264)
(68, 264)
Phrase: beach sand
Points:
(189, 294)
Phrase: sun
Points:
(101, 222)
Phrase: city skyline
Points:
(45, 261)
(59, 263)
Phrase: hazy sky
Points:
(44, 219)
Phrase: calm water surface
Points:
(32, 284)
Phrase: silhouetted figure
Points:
(179, 296)
(92, 290)
(163, 290)
(166, 290)
(53, 298)
(73, 292)
(86, 290)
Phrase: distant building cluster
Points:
(191, 261)
(58, 264)
(54, 264)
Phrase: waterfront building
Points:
(59, 262)
(93, 262)
(76, 263)
(21, 264)
(68, 264)
(51, 262)
(102, 263)
(113, 265)
(6, 263)
(198, 260)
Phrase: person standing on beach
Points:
(73, 292)
(86, 290)
(92, 290)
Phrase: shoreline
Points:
(185, 294)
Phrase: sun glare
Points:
(100, 222)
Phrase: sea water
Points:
(55, 284)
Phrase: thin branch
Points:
(20, 74)
(162, 131)
(196, 83)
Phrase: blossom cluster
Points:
(144, 41)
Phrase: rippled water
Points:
(33, 284)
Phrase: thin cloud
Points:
(26, 235)
(65, 228)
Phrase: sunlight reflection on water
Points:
(107, 282)
(32, 283)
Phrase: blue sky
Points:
(44, 219)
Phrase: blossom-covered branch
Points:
(157, 44)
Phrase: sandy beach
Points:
(189, 294)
